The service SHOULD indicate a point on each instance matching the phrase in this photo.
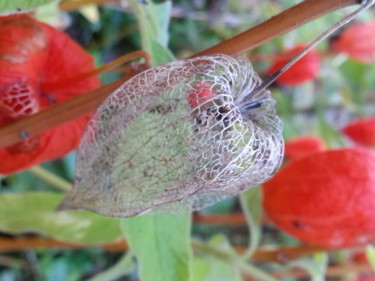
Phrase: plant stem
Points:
(69, 6)
(282, 23)
(51, 178)
(229, 219)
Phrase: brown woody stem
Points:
(282, 254)
(87, 103)
(282, 23)
(69, 6)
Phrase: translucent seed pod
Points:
(150, 148)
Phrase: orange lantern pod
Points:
(306, 69)
(361, 131)
(325, 199)
(203, 91)
(36, 61)
(302, 146)
(358, 42)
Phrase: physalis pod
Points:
(178, 137)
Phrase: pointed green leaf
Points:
(153, 20)
(161, 244)
(35, 212)
(316, 266)
(251, 202)
(210, 267)
(160, 54)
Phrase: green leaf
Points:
(35, 212)
(251, 202)
(316, 265)
(210, 267)
(370, 255)
(18, 6)
(121, 268)
(219, 248)
(161, 244)
(354, 76)
(153, 20)
(160, 54)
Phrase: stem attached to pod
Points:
(268, 81)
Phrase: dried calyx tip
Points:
(365, 4)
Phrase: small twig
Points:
(231, 219)
(282, 23)
(27, 243)
(285, 254)
(69, 6)
(50, 86)
(51, 178)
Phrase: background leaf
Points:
(18, 6)
(161, 244)
(153, 20)
(160, 54)
(35, 212)
(209, 267)
(251, 202)
(316, 266)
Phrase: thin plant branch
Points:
(70, 5)
(51, 178)
(87, 103)
(105, 68)
(280, 24)
(231, 219)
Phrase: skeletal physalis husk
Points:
(150, 148)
